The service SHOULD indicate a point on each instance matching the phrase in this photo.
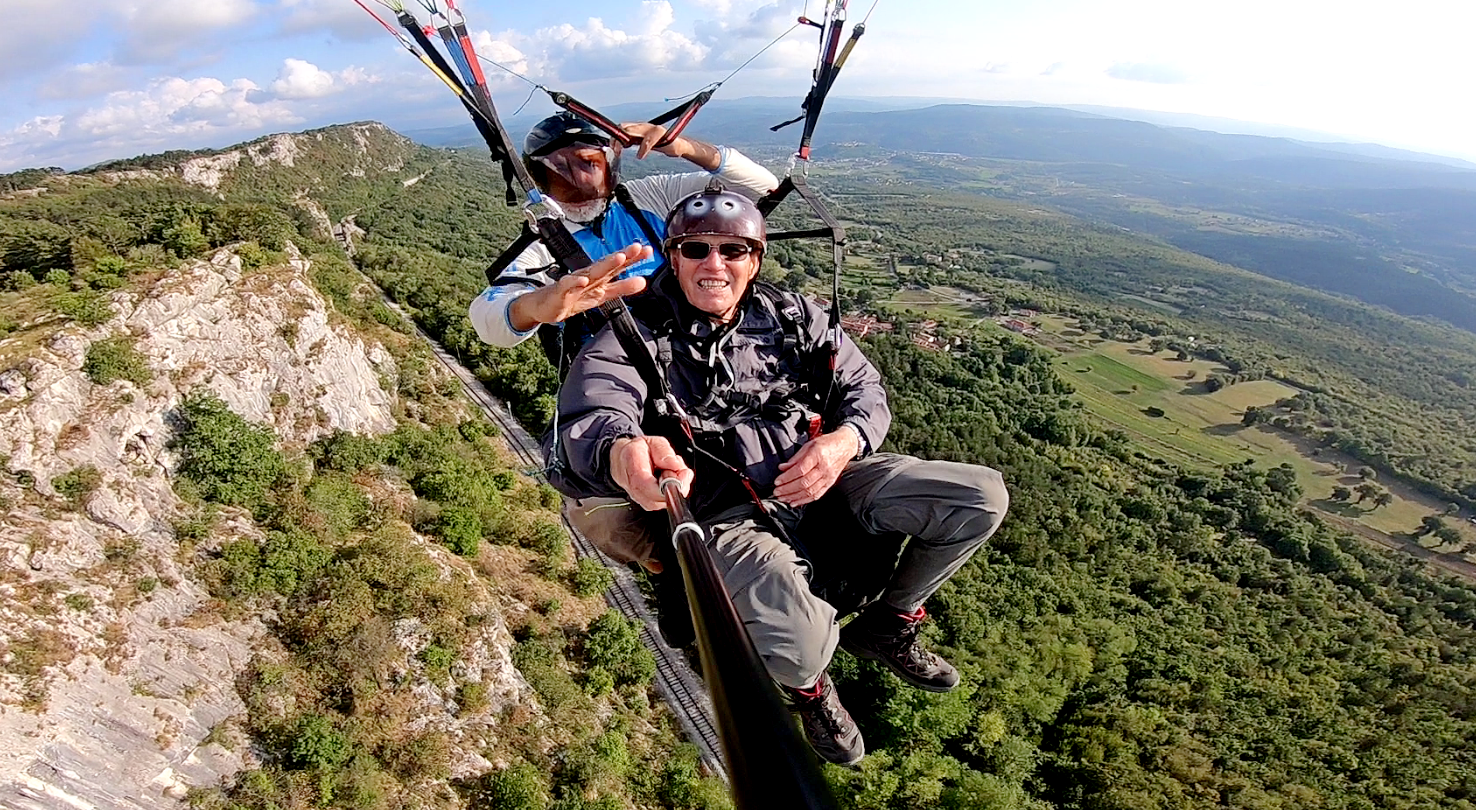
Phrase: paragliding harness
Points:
(806, 402)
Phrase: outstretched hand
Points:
(636, 462)
(812, 471)
(580, 291)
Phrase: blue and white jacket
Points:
(654, 197)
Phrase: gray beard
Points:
(584, 212)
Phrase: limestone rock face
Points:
(114, 665)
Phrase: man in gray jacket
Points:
(774, 430)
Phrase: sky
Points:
(107, 79)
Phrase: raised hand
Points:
(649, 135)
(579, 291)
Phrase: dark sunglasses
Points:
(697, 251)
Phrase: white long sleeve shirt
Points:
(654, 197)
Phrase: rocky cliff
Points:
(117, 669)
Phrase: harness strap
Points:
(526, 239)
(622, 196)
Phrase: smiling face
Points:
(715, 284)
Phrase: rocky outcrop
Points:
(115, 666)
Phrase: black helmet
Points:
(715, 211)
(560, 130)
(565, 129)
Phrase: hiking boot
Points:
(884, 635)
(828, 726)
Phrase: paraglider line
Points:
(511, 72)
(746, 63)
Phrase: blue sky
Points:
(116, 78)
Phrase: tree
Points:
(1283, 481)
(1384, 498)
(1341, 493)
(1428, 524)
(1448, 534)
(1367, 490)
(231, 460)
(1368, 473)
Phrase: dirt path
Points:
(1445, 562)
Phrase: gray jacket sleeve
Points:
(861, 401)
(601, 400)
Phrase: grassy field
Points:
(1125, 385)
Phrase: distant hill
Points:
(1392, 232)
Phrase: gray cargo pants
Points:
(614, 526)
(948, 509)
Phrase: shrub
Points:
(116, 359)
(547, 538)
(290, 559)
(252, 256)
(347, 452)
(75, 485)
(590, 578)
(285, 562)
(437, 660)
(340, 504)
(473, 429)
(471, 698)
(87, 308)
(184, 238)
(598, 681)
(194, 527)
(520, 787)
(108, 272)
(231, 461)
(460, 529)
(681, 784)
(317, 745)
(614, 643)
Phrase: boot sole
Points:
(904, 675)
(849, 764)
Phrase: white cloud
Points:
(300, 79)
(169, 113)
(23, 145)
(341, 18)
(651, 43)
(732, 38)
(86, 80)
(175, 106)
(32, 42)
(156, 30)
(569, 53)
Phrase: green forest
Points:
(1138, 635)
